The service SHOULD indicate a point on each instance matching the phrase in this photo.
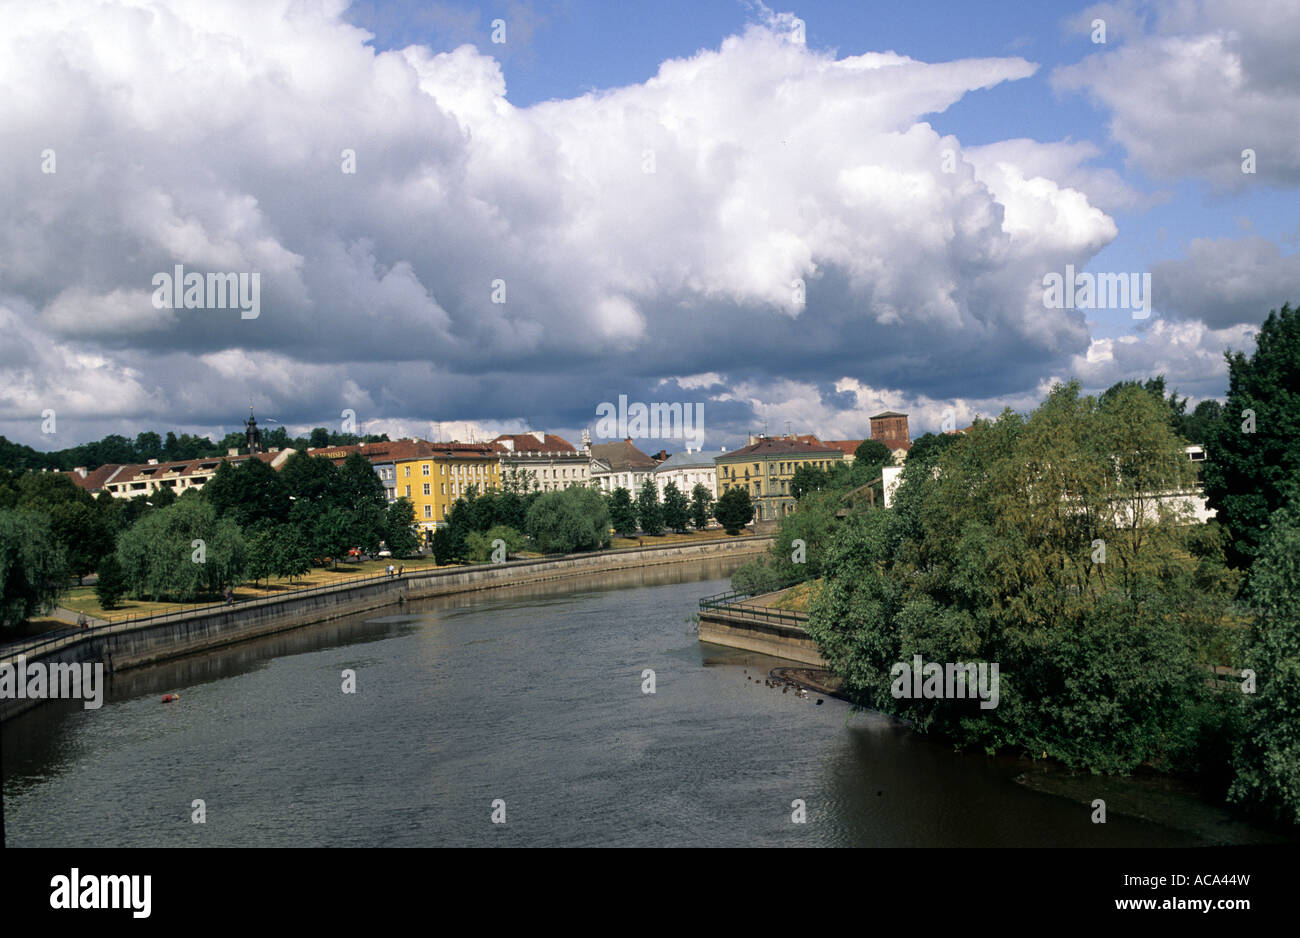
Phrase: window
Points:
(408, 475)
(426, 489)
(444, 488)
(428, 511)
(443, 467)
(424, 469)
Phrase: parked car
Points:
(384, 552)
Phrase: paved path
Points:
(64, 614)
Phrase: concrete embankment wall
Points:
(131, 645)
(768, 638)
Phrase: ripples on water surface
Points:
(531, 695)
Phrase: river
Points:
(529, 697)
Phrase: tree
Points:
(677, 510)
(320, 437)
(181, 552)
(148, 445)
(1255, 449)
(573, 519)
(399, 528)
(649, 513)
(734, 510)
(622, 513)
(701, 506)
(76, 521)
(872, 453)
(481, 545)
(33, 566)
(111, 584)
(248, 493)
(1041, 543)
(1267, 757)
(1201, 422)
(927, 447)
(806, 479)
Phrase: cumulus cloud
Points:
(1228, 281)
(750, 215)
(1190, 85)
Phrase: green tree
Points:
(399, 528)
(1267, 758)
(1041, 543)
(75, 519)
(182, 552)
(574, 519)
(701, 506)
(33, 566)
(111, 584)
(927, 447)
(320, 437)
(480, 545)
(734, 510)
(649, 513)
(872, 453)
(1255, 449)
(248, 494)
(1202, 421)
(622, 513)
(807, 479)
(677, 510)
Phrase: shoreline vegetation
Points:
(1060, 545)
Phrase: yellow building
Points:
(439, 473)
(765, 469)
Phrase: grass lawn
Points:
(710, 534)
(83, 599)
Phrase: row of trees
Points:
(574, 519)
(1041, 542)
(148, 445)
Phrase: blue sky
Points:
(210, 135)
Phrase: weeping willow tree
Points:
(1061, 546)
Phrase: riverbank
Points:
(136, 644)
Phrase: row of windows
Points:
(782, 468)
(478, 470)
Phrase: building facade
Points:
(621, 465)
(765, 469)
(552, 460)
(890, 428)
(687, 470)
(441, 473)
(180, 476)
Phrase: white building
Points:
(552, 460)
(1194, 500)
(621, 465)
(687, 470)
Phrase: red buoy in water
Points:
(168, 698)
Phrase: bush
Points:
(571, 520)
(734, 510)
(111, 585)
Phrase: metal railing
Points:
(726, 602)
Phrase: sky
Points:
(465, 219)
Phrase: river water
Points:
(529, 697)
